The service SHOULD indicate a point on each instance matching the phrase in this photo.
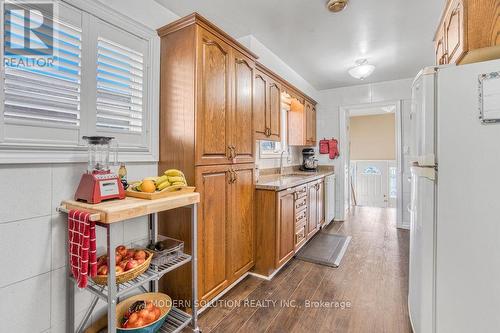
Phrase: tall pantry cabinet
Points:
(206, 130)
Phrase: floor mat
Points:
(325, 249)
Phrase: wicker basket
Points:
(128, 275)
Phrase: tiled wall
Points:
(32, 240)
(328, 123)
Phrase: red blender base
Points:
(97, 187)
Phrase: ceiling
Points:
(394, 35)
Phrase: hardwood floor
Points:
(367, 293)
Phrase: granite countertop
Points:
(276, 182)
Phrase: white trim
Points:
(111, 16)
(58, 152)
(344, 112)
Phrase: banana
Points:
(161, 180)
(179, 184)
(137, 186)
(176, 179)
(163, 185)
(174, 173)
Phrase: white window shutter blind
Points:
(120, 87)
(51, 96)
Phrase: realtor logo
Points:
(28, 33)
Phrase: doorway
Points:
(372, 160)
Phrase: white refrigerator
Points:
(454, 273)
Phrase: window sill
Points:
(73, 155)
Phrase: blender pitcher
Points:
(99, 183)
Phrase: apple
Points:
(101, 261)
(140, 261)
(118, 258)
(130, 254)
(123, 264)
(121, 250)
(140, 255)
(103, 270)
(118, 270)
(131, 264)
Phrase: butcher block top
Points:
(128, 208)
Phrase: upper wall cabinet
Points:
(469, 32)
(302, 122)
(206, 98)
(242, 141)
(213, 123)
(267, 105)
(310, 111)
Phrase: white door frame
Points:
(345, 155)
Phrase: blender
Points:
(99, 183)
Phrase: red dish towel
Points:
(82, 246)
(333, 149)
(324, 146)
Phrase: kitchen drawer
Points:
(301, 217)
(300, 191)
(300, 235)
(300, 203)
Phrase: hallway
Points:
(367, 293)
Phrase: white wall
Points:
(328, 123)
(32, 233)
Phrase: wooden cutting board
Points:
(168, 192)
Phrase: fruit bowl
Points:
(162, 301)
(127, 275)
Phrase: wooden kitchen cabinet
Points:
(285, 221)
(226, 248)
(285, 241)
(469, 31)
(215, 187)
(267, 105)
(241, 124)
(440, 47)
(310, 124)
(206, 117)
(213, 144)
(241, 226)
(302, 122)
(206, 98)
(454, 32)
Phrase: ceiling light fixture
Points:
(336, 5)
(362, 69)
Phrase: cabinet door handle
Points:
(232, 152)
(232, 177)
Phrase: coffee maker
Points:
(309, 161)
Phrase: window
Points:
(119, 87)
(371, 170)
(393, 185)
(105, 83)
(48, 96)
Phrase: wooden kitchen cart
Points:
(108, 215)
